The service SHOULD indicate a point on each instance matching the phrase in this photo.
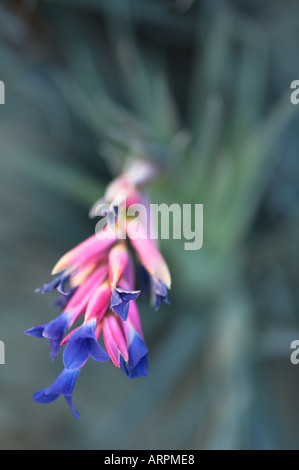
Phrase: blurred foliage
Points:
(203, 87)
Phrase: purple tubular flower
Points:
(53, 331)
(138, 363)
(82, 344)
(59, 283)
(160, 291)
(63, 385)
(120, 301)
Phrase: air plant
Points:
(96, 283)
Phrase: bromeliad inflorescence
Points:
(96, 282)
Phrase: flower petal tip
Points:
(160, 292)
(120, 301)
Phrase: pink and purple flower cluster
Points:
(96, 283)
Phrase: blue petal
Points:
(43, 397)
(122, 310)
(160, 291)
(96, 351)
(75, 354)
(36, 331)
(69, 401)
(138, 363)
(140, 370)
(54, 344)
(59, 283)
(123, 365)
(127, 294)
(137, 350)
(61, 286)
(56, 328)
(50, 286)
(64, 384)
(120, 301)
(54, 332)
(84, 331)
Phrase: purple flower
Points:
(81, 344)
(53, 331)
(137, 364)
(58, 283)
(159, 289)
(120, 301)
(63, 385)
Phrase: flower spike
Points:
(96, 283)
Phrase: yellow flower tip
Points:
(163, 273)
(168, 282)
(62, 264)
(80, 277)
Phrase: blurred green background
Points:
(204, 87)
